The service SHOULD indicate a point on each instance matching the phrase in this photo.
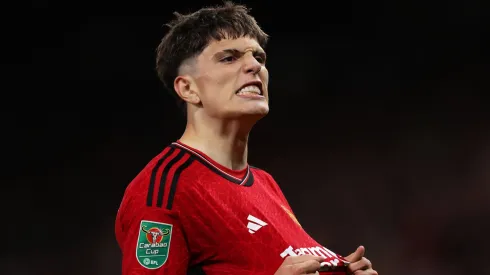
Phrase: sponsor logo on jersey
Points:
(153, 244)
(332, 261)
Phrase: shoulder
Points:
(268, 180)
(156, 184)
(262, 174)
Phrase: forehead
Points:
(242, 44)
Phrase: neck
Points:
(226, 142)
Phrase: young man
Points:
(198, 206)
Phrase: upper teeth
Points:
(250, 89)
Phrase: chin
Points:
(252, 113)
(257, 111)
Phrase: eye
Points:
(260, 59)
(228, 59)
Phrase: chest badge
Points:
(291, 215)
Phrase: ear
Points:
(185, 87)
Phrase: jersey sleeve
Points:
(153, 242)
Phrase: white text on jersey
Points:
(331, 257)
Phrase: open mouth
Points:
(250, 90)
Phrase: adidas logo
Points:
(254, 224)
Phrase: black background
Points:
(378, 133)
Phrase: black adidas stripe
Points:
(163, 178)
(151, 187)
(175, 180)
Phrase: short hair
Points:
(189, 34)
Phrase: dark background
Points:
(378, 133)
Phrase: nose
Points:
(251, 65)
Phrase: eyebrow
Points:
(235, 52)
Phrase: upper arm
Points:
(153, 243)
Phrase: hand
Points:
(300, 265)
(359, 265)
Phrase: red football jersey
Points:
(186, 213)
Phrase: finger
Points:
(316, 273)
(303, 258)
(357, 255)
(305, 267)
(369, 271)
(362, 264)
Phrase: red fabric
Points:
(209, 214)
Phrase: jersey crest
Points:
(291, 215)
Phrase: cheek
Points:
(220, 86)
(214, 92)
(208, 85)
(217, 86)
(264, 76)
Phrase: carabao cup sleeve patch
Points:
(153, 244)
